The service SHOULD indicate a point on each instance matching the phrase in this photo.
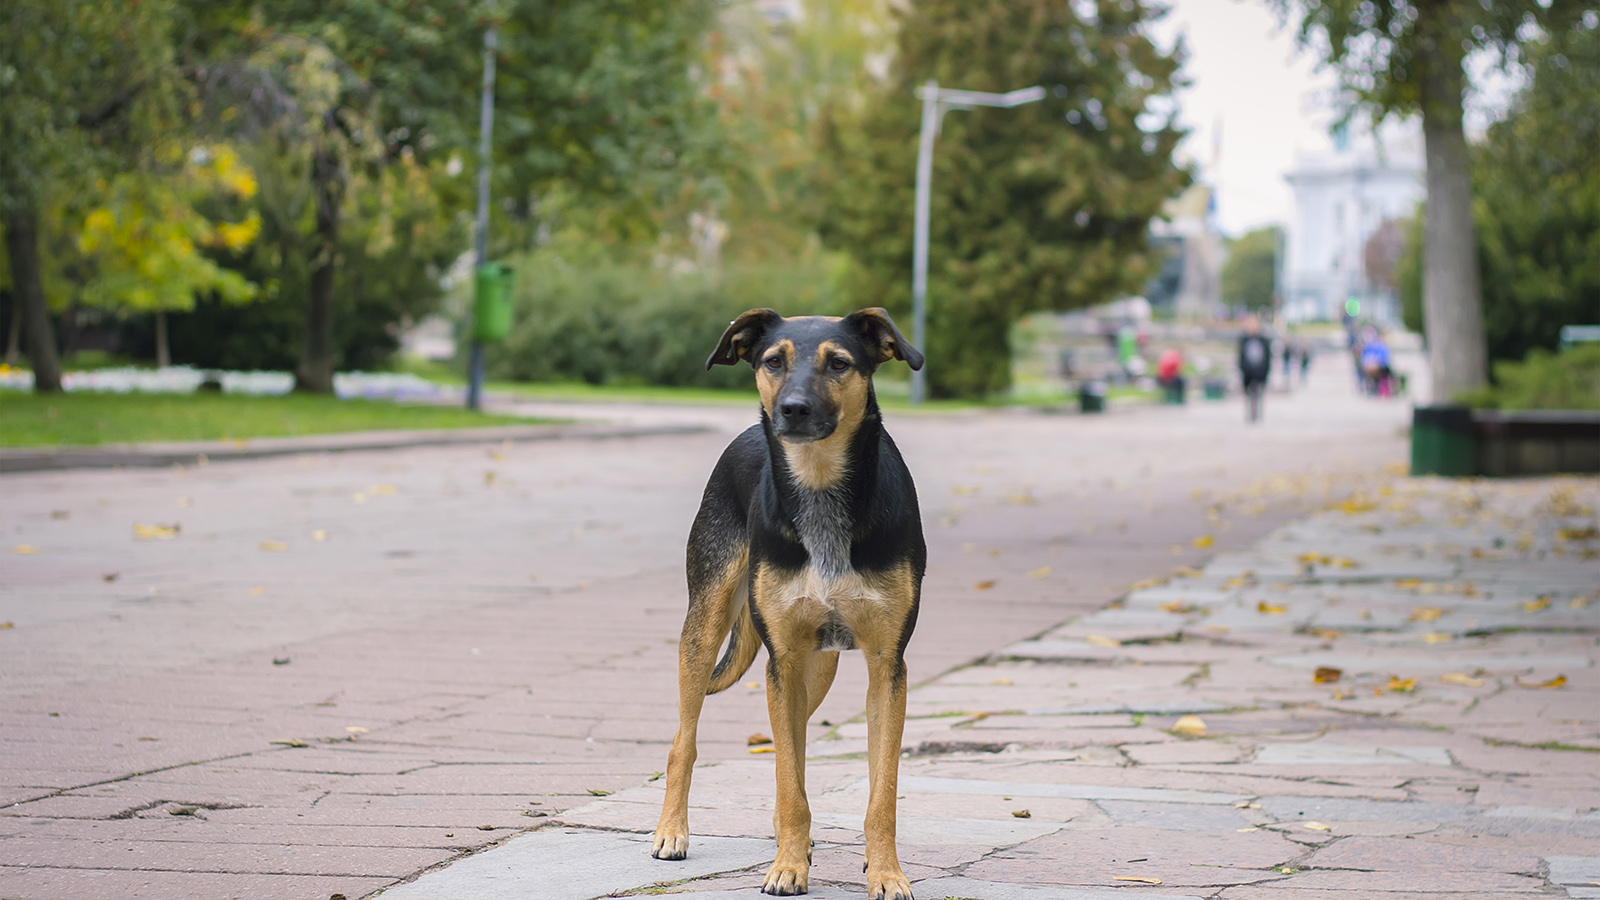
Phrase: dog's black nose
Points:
(795, 409)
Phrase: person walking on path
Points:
(1255, 365)
(1305, 361)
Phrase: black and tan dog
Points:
(809, 540)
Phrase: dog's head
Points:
(814, 372)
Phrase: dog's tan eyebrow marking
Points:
(829, 349)
(785, 348)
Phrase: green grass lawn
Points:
(28, 420)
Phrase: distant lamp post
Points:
(935, 102)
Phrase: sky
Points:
(1267, 98)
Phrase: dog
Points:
(808, 541)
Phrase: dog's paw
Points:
(670, 845)
(786, 880)
(890, 885)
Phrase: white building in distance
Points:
(1342, 199)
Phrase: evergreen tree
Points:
(1041, 207)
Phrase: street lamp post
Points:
(485, 131)
(935, 102)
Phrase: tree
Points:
(83, 81)
(1406, 56)
(145, 241)
(1538, 202)
(1046, 206)
(1249, 277)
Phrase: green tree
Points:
(1046, 206)
(82, 83)
(1538, 203)
(1406, 56)
(1249, 277)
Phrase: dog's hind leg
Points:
(716, 600)
(788, 705)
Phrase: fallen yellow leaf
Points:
(1147, 584)
(767, 749)
(291, 742)
(1461, 678)
(358, 498)
(1204, 541)
(319, 535)
(1408, 582)
(1177, 606)
(1558, 681)
(1318, 826)
(1022, 813)
(1536, 605)
(257, 591)
(964, 490)
(1003, 682)
(1140, 879)
(1040, 572)
(355, 729)
(1343, 562)
(155, 532)
(984, 585)
(1312, 558)
(1103, 641)
(1187, 572)
(1426, 613)
(1271, 609)
(1578, 534)
(1190, 726)
(23, 549)
(273, 546)
(1578, 602)
(382, 489)
(1326, 634)
(1401, 685)
(758, 739)
(1246, 830)
(1438, 637)
(1326, 675)
(7, 626)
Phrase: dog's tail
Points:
(743, 642)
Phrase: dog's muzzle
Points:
(799, 421)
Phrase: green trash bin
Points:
(491, 308)
(1092, 397)
(1442, 441)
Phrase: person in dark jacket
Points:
(1255, 364)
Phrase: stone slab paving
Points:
(1206, 748)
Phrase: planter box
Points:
(1457, 441)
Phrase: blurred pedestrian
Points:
(1255, 365)
(1305, 361)
(1169, 374)
(1288, 361)
(1375, 368)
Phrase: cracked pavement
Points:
(394, 671)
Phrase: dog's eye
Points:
(774, 362)
(839, 364)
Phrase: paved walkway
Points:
(320, 675)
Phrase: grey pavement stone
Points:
(556, 864)
(993, 890)
(921, 831)
(1153, 708)
(936, 785)
(1574, 870)
(1318, 753)
(1178, 817)
(1293, 810)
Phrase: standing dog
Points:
(809, 540)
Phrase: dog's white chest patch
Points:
(823, 522)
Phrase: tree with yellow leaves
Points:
(144, 240)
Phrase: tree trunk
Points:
(14, 333)
(22, 243)
(1452, 297)
(315, 372)
(163, 349)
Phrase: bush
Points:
(1545, 380)
(605, 322)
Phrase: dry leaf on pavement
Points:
(1558, 681)
(1318, 826)
(1187, 572)
(1426, 613)
(1004, 682)
(1190, 726)
(1326, 675)
(155, 532)
(757, 739)
(1139, 878)
(767, 749)
(1401, 685)
(1022, 813)
(1438, 637)
(599, 792)
(1204, 541)
(274, 546)
(1040, 572)
(1101, 640)
(1536, 605)
(384, 489)
(1271, 609)
(23, 549)
(1461, 678)
(984, 585)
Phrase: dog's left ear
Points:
(885, 340)
(742, 337)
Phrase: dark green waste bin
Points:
(491, 308)
(1442, 441)
(1092, 397)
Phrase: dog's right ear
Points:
(743, 337)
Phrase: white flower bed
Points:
(185, 380)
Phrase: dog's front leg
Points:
(788, 708)
(886, 720)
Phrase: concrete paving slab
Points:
(1575, 871)
(559, 864)
(909, 783)
(1320, 754)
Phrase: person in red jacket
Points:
(1169, 374)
